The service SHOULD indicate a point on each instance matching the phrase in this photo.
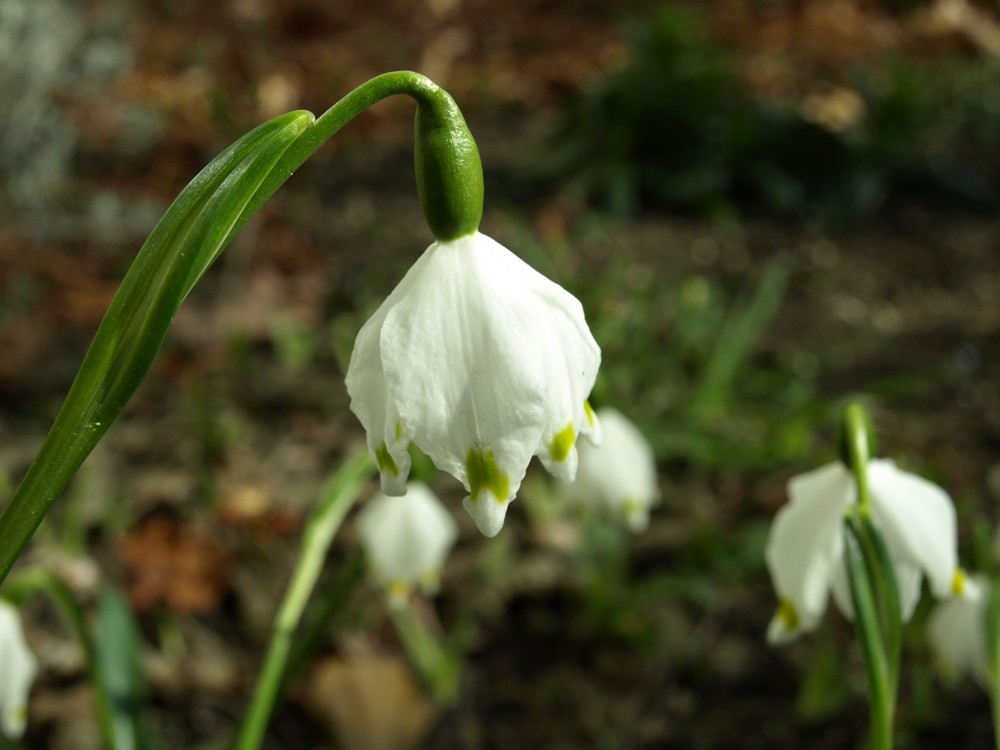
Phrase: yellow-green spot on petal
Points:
(398, 590)
(385, 461)
(958, 582)
(588, 410)
(788, 615)
(561, 444)
(399, 430)
(484, 474)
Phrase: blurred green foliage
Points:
(681, 356)
(675, 128)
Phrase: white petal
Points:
(917, 519)
(956, 632)
(840, 586)
(806, 544)
(908, 578)
(620, 475)
(406, 539)
(19, 667)
(462, 365)
(570, 360)
(371, 400)
(592, 427)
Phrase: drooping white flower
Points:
(805, 548)
(956, 631)
(480, 361)
(619, 476)
(406, 540)
(18, 667)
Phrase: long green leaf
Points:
(190, 236)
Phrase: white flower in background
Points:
(805, 548)
(17, 671)
(406, 540)
(956, 631)
(619, 476)
(481, 362)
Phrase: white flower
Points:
(805, 548)
(619, 476)
(17, 671)
(956, 631)
(406, 540)
(482, 362)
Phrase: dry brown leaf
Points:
(172, 563)
(369, 701)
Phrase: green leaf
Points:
(119, 670)
(190, 236)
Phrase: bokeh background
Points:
(766, 207)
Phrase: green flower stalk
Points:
(195, 230)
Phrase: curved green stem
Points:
(339, 494)
(856, 448)
(196, 229)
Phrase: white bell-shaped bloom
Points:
(406, 540)
(18, 667)
(619, 475)
(482, 362)
(956, 631)
(805, 548)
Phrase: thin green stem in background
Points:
(881, 692)
(438, 667)
(885, 588)
(874, 591)
(991, 625)
(857, 448)
(339, 494)
(195, 230)
(331, 603)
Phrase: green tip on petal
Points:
(786, 624)
(589, 411)
(562, 443)
(385, 461)
(788, 615)
(484, 474)
(399, 430)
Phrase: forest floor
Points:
(575, 637)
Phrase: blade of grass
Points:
(741, 331)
